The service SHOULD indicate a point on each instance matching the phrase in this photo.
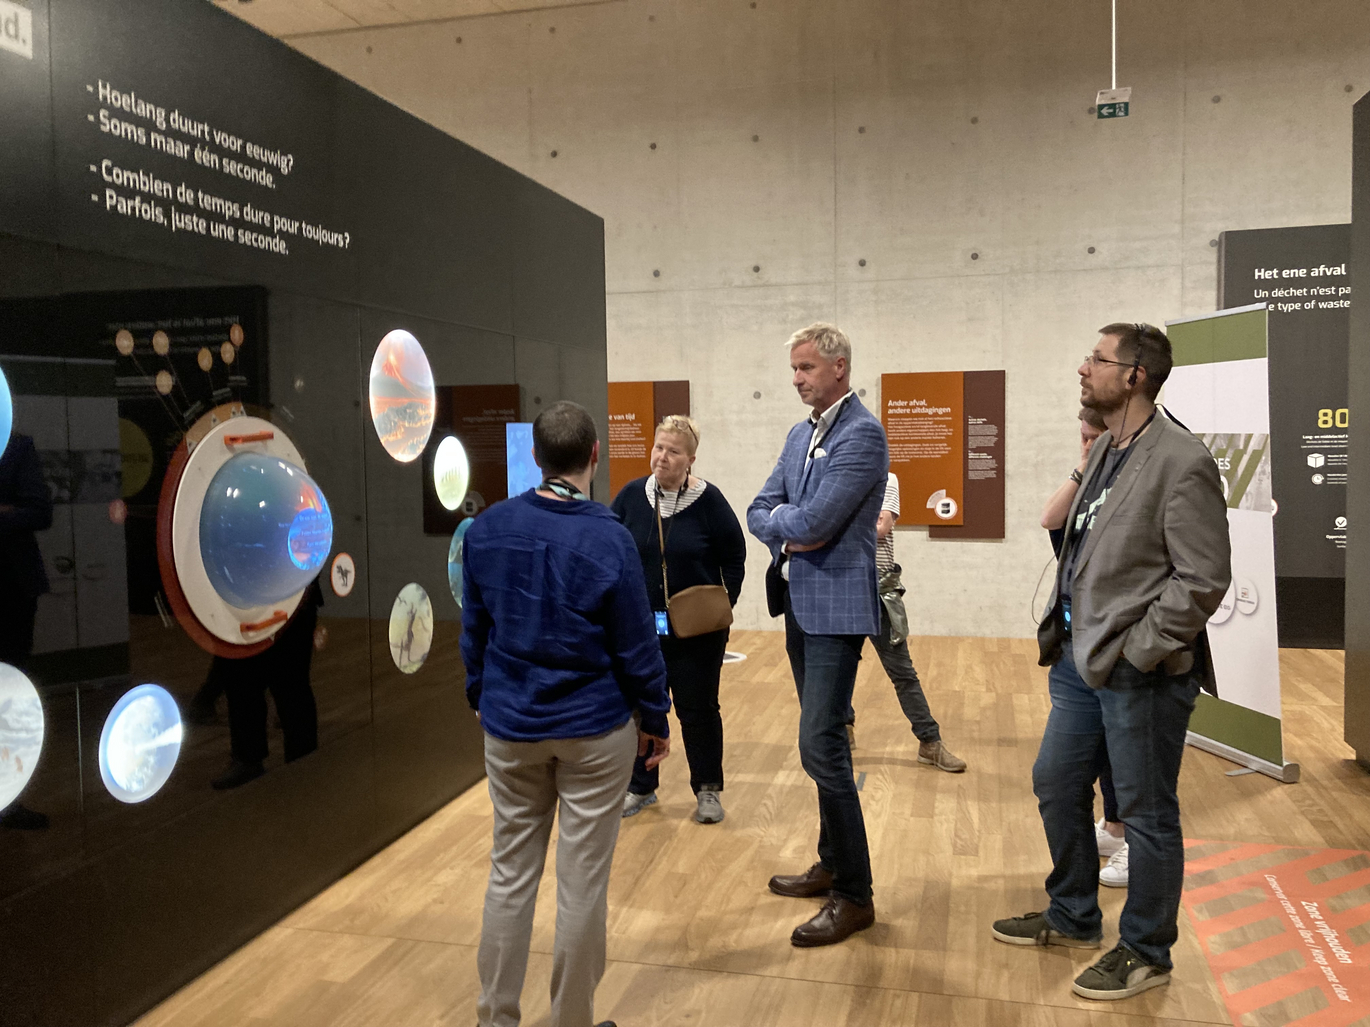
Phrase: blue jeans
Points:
(1143, 719)
(824, 669)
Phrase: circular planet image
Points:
(235, 335)
(164, 382)
(401, 393)
(227, 353)
(411, 628)
(140, 743)
(451, 472)
(265, 530)
(6, 411)
(454, 559)
(123, 341)
(21, 732)
(204, 358)
(161, 343)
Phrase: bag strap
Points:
(661, 541)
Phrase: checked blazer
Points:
(835, 499)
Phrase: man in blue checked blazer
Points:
(817, 514)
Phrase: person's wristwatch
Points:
(1076, 476)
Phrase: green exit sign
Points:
(1113, 103)
(1112, 110)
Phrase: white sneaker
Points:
(1108, 844)
(634, 804)
(1114, 873)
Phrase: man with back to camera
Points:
(1144, 563)
(565, 671)
(817, 514)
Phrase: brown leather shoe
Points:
(812, 882)
(837, 921)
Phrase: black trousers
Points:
(284, 671)
(693, 666)
(17, 614)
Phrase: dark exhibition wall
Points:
(200, 226)
(1357, 723)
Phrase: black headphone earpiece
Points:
(1141, 334)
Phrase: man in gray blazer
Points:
(817, 514)
(1144, 563)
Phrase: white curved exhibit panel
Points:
(140, 743)
(21, 732)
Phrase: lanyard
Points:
(661, 533)
(563, 488)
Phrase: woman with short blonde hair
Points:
(687, 535)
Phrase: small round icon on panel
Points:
(946, 508)
(161, 343)
(227, 353)
(1225, 608)
(164, 382)
(123, 342)
(1247, 597)
(451, 472)
(235, 335)
(204, 358)
(343, 575)
(21, 732)
(401, 395)
(411, 628)
(140, 743)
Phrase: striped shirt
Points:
(884, 548)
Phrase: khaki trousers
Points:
(585, 778)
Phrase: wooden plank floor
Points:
(695, 937)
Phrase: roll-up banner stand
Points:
(1220, 390)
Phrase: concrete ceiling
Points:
(285, 18)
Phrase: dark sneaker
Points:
(1120, 973)
(1033, 929)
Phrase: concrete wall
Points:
(747, 157)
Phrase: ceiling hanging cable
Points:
(1113, 102)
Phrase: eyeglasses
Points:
(1094, 360)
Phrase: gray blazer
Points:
(1155, 566)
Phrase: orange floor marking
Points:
(1286, 930)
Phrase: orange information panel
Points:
(924, 418)
(632, 409)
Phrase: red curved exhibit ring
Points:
(171, 584)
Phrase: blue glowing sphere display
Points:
(265, 530)
(140, 742)
(6, 411)
(454, 560)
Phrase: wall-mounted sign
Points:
(924, 417)
(983, 471)
(635, 409)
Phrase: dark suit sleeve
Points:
(858, 464)
(1200, 549)
(30, 501)
(728, 543)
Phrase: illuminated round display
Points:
(21, 732)
(411, 628)
(451, 472)
(454, 560)
(6, 411)
(402, 401)
(265, 530)
(140, 743)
